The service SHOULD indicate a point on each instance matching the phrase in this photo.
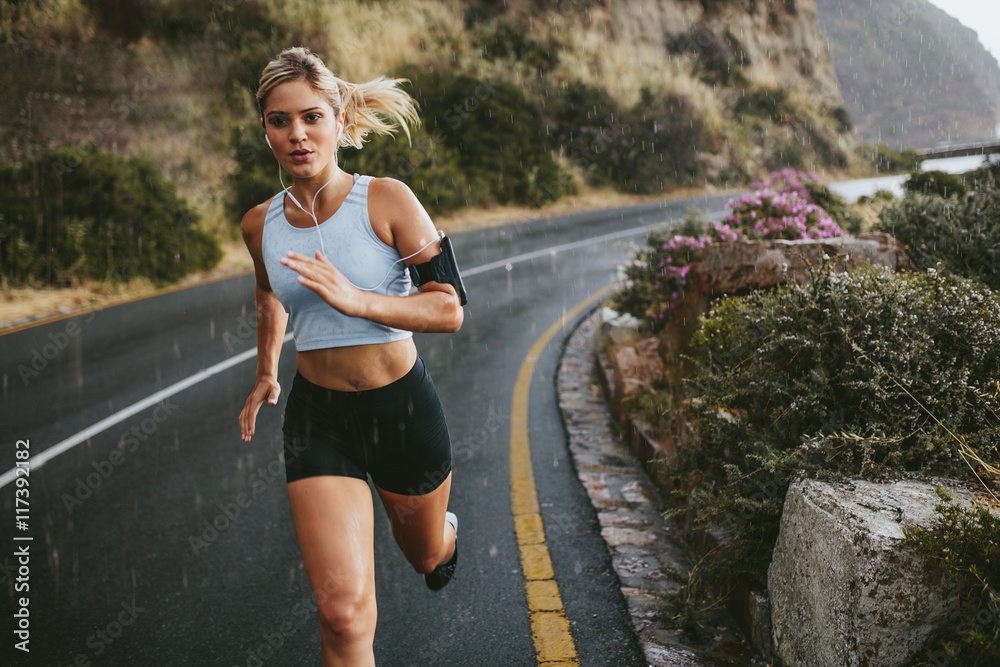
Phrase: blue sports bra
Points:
(352, 247)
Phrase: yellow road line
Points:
(553, 642)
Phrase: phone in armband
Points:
(442, 268)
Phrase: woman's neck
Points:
(314, 193)
(324, 184)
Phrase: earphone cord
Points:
(312, 213)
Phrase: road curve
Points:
(163, 539)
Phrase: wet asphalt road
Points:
(165, 540)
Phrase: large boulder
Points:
(845, 586)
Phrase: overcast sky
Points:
(983, 16)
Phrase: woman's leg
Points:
(334, 524)
(418, 525)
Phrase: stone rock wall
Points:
(740, 268)
(844, 587)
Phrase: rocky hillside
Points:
(911, 75)
(641, 96)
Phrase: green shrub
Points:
(652, 147)
(866, 374)
(656, 280)
(845, 215)
(935, 182)
(506, 40)
(256, 176)
(965, 542)
(843, 118)
(879, 197)
(781, 208)
(887, 160)
(767, 103)
(496, 132)
(984, 176)
(717, 59)
(658, 146)
(429, 167)
(243, 36)
(585, 126)
(82, 213)
(121, 19)
(784, 153)
(172, 21)
(962, 234)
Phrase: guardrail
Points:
(961, 150)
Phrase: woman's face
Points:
(303, 129)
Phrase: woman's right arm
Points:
(271, 322)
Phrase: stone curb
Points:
(644, 547)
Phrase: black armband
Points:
(442, 268)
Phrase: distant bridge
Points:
(961, 150)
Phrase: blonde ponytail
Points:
(378, 106)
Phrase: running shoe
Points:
(444, 572)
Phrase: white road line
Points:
(546, 252)
(38, 460)
(554, 250)
(69, 443)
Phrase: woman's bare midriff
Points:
(359, 367)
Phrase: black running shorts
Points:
(396, 433)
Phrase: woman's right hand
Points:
(266, 389)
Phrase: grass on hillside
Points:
(174, 100)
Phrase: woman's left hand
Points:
(322, 277)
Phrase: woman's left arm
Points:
(398, 219)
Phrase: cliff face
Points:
(773, 43)
(757, 73)
(753, 80)
(911, 75)
(620, 45)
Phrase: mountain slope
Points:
(911, 75)
(641, 96)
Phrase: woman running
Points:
(331, 252)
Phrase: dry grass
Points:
(870, 212)
(21, 305)
(41, 20)
(622, 49)
(367, 40)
